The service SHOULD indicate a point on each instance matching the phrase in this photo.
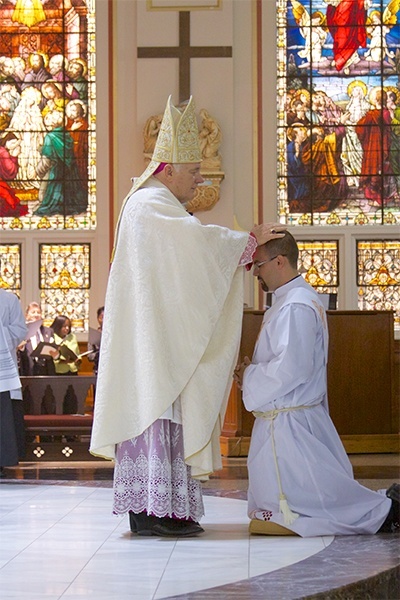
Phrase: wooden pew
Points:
(56, 436)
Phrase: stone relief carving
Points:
(210, 136)
(150, 134)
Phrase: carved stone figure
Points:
(150, 133)
(210, 140)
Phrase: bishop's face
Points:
(184, 182)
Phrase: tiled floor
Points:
(60, 540)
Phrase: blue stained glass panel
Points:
(339, 112)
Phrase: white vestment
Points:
(288, 370)
(172, 324)
(12, 331)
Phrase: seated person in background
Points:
(27, 364)
(95, 348)
(63, 336)
(64, 366)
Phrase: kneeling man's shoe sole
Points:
(268, 528)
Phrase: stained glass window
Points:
(10, 267)
(47, 114)
(318, 263)
(338, 112)
(378, 276)
(65, 283)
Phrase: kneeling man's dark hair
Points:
(287, 246)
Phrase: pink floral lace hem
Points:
(247, 256)
(151, 475)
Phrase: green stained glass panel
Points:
(47, 115)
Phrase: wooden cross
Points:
(184, 52)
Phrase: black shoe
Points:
(392, 522)
(142, 523)
(132, 522)
(146, 525)
(394, 492)
(177, 528)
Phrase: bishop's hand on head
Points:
(266, 232)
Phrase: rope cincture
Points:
(288, 515)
